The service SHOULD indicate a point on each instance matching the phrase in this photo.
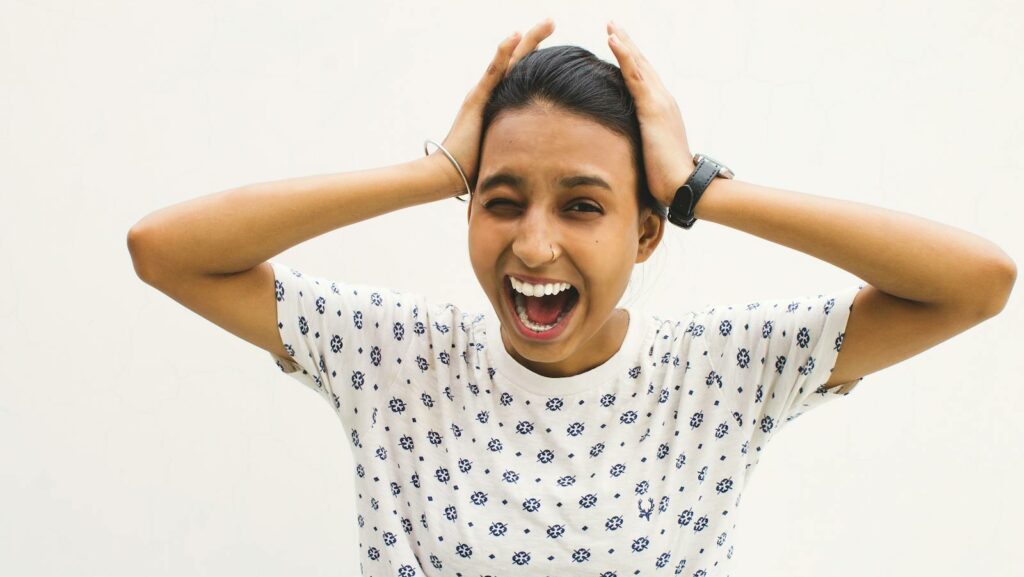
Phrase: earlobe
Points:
(651, 229)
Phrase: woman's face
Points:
(531, 198)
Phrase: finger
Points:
(627, 61)
(498, 65)
(642, 64)
(533, 37)
(627, 40)
(635, 67)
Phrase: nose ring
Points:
(552, 253)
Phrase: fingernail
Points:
(614, 38)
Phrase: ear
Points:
(651, 229)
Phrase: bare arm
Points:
(234, 230)
(210, 254)
(928, 281)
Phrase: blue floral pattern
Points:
(469, 464)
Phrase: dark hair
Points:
(578, 81)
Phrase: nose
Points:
(536, 242)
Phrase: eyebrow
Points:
(499, 178)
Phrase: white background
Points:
(137, 438)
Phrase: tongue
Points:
(545, 310)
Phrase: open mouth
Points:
(541, 317)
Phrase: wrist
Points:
(707, 204)
(446, 178)
(680, 178)
(699, 191)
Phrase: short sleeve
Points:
(343, 339)
(781, 353)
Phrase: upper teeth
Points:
(536, 290)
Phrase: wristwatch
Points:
(680, 212)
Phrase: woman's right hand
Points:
(463, 140)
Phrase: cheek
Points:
(477, 242)
(610, 264)
(482, 257)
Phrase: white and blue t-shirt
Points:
(470, 464)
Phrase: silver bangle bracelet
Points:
(451, 158)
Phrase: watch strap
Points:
(680, 212)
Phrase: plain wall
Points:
(137, 438)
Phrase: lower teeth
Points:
(521, 310)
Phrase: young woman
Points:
(558, 434)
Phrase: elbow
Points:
(137, 252)
(999, 284)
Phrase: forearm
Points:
(237, 229)
(901, 254)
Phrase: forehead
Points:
(554, 142)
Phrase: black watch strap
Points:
(680, 212)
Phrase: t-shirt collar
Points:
(614, 368)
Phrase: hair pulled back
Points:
(576, 80)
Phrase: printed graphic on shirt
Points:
(469, 464)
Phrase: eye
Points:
(495, 202)
(591, 207)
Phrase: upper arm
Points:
(884, 329)
(241, 303)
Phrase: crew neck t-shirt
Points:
(467, 463)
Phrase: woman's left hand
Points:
(667, 157)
